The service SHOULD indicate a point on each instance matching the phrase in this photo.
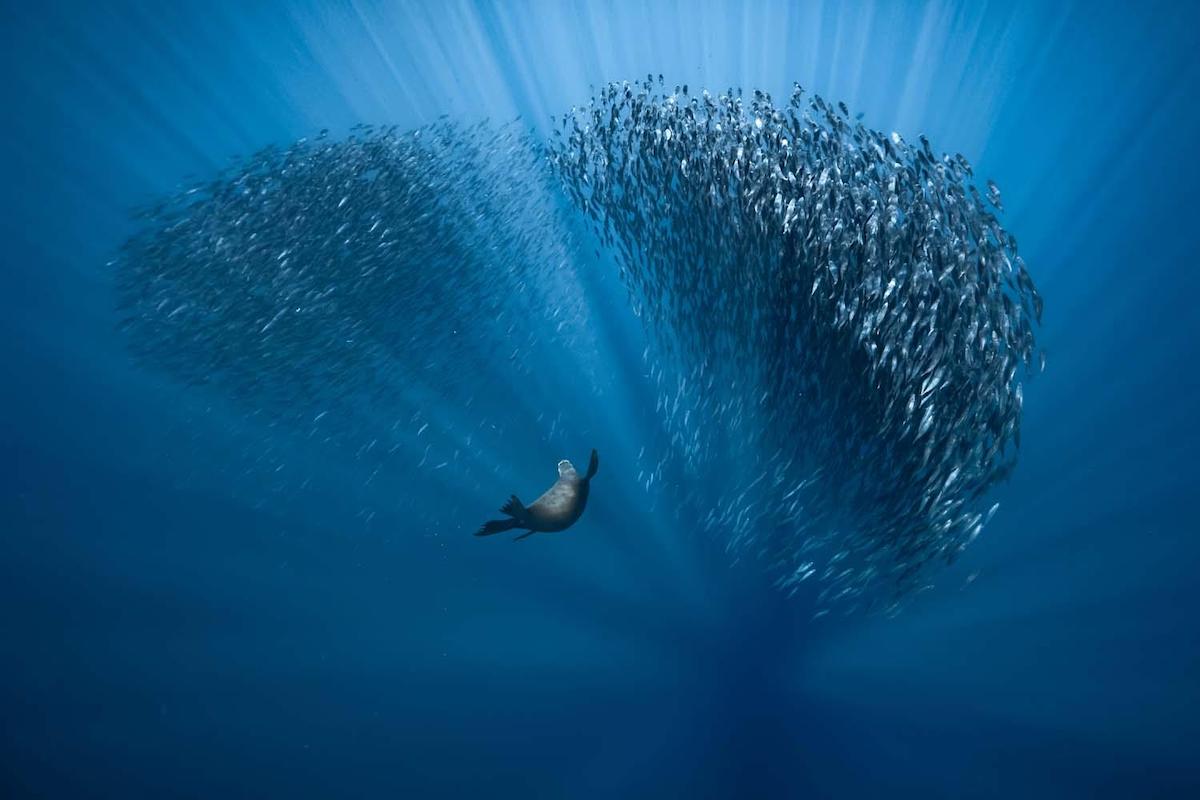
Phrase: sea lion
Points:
(556, 510)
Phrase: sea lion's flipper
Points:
(496, 526)
(593, 465)
(525, 535)
(514, 507)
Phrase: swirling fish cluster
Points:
(850, 322)
(310, 281)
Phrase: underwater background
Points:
(201, 600)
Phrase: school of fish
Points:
(838, 325)
(326, 280)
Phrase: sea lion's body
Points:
(557, 509)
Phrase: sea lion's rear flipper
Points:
(514, 507)
(496, 526)
(593, 465)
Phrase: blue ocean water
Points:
(199, 601)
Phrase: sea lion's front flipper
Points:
(593, 465)
(525, 535)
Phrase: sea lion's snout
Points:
(565, 468)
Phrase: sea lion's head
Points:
(566, 469)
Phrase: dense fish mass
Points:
(310, 281)
(839, 324)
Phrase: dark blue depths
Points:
(200, 600)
